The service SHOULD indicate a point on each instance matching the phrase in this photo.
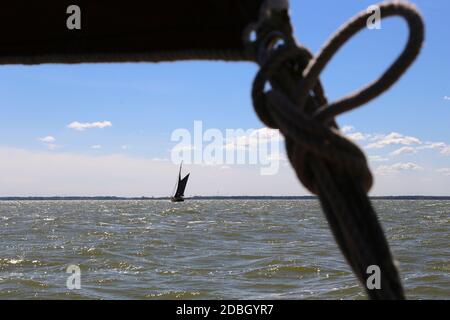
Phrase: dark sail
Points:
(181, 187)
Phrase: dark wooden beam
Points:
(34, 32)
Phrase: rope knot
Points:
(296, 105)
(308, 136)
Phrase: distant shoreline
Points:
(113, 198)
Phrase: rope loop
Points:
(304, 115)
(386, 80)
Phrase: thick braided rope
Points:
(328, 164)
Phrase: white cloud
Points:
(124, 147)
(253, 138)
(49, 142)
(441, 146)
(445, 150)
(444, 171)
(393, 138)
(89, 125)
(347, 129)
(377, 159)
(446, 98)
(403, 150)
(238, 139)
(96, 146)
(47, 139)
(433, 145)
(397, 167)
(349, 132)
(358, 136)
(266, 134)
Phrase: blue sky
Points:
(145, 103)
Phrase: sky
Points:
(106, 129)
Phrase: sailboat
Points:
(181, 186)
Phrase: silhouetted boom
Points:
(35, 32)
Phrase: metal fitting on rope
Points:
(272, 26)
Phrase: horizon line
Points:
(305, 197)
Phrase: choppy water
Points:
(224, 249)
